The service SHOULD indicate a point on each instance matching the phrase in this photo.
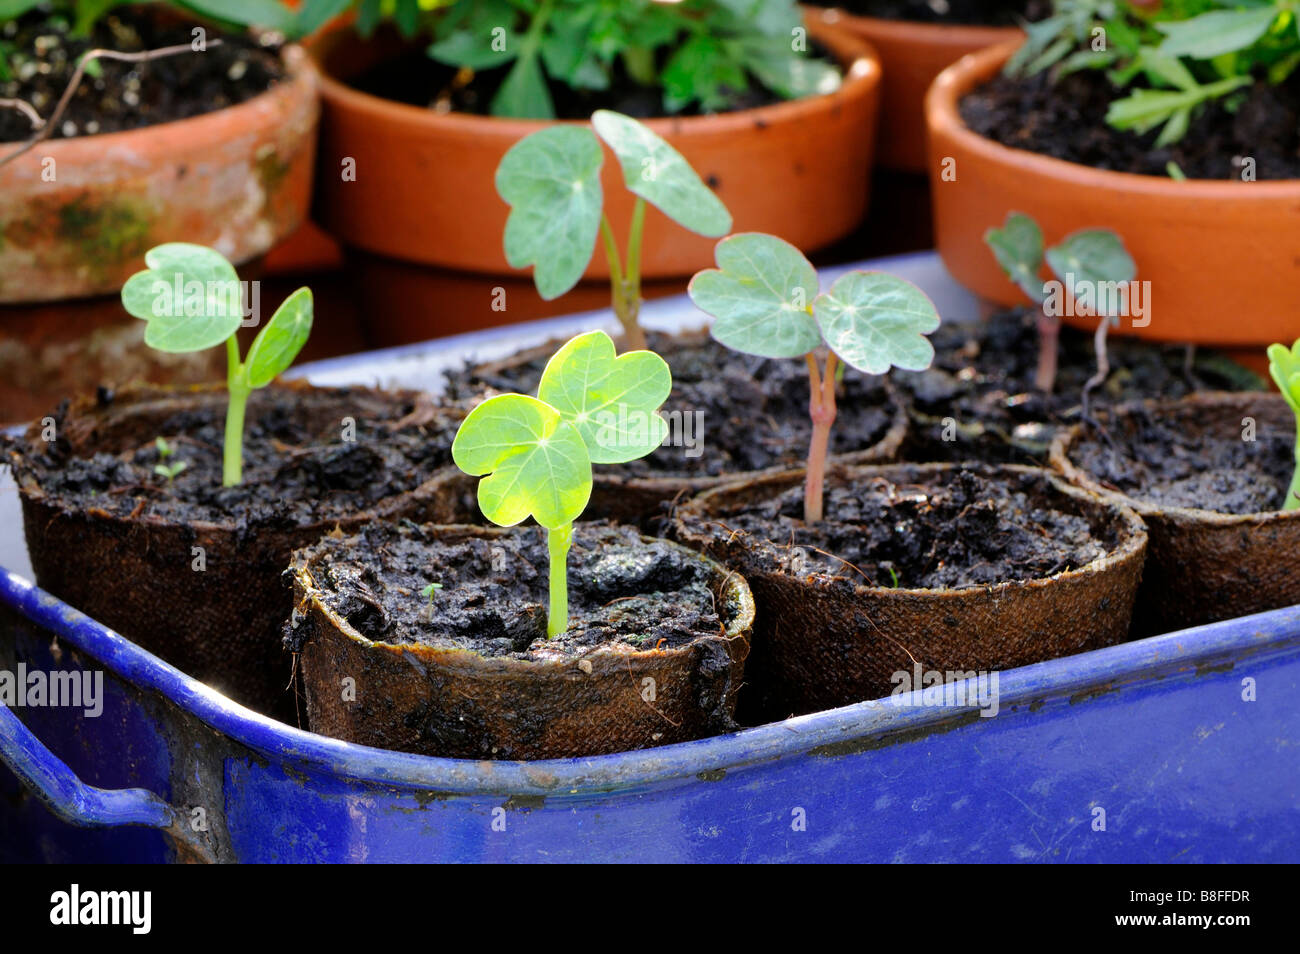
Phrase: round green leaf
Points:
(276, 345)
(532, 461)
(612, 401)
(760, 295)
(189, 295)
(1089, 259)
(1018, 247)
(873, 321)
(551, 179)
(659, 174)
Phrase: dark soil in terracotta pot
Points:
(1067, 120)
(974, 12)
(980, 393)
(754, 417)
(118, 541)
(43, 57)
(952, 568)
(1220, 545)
(472, 674)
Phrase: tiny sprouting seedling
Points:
(1284, 365)
(535, 453)
(192, 299)
(428, 593)
(166, 467)
(1085, 262)
(551, 180)
(765, 300)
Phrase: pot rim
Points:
(729, 581)
(858, 61)
(944, 122)
(921, 33)
(154, 143)
(30, 489)
(1065, 439)
(1131, 546)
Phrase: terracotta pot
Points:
(911, 56)
(1220, 256)
(643, 501)
(457, 703)
(237, 179)
(821, 642)
(220, 625)
(424, 187)
(1205, 566)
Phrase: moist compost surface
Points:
(414, 78)
(124, 96)
(293, 474)
(973, 12)
(494, 595)
(1067, 120)
(983, 379)
(1164, 462)
(971, 527)
(755, 410)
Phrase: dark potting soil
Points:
(494, 595)
(1165, 462)
(43, 57)
(747, 413)
(982, 379)
(970, 527)
(294, 473)
(414, 78)
(974, 12)
(1067, 120)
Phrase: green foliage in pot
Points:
(535, 454)
(551, 180)
(1171, 58)
(765, 299)
(1083, 263)
(191, 298)
(1284, 365)
(705, 55)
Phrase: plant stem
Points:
(232, 462)
(1049, 335)
(1292, 501)
(558, 541)
(625, 288)
(821, 408)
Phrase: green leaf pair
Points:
(535, 454)
(764, 297)
(1284, 366)
(1084, 260)
(551, 180)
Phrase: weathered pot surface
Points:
(237, 179)
(797, 169)
(1203, 565)
(822, 641)
(1200, 243)
(444, 697)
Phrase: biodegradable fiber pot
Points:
(237, 179)
(1200, 243)
(105, 538)
(425, 190)
(1168, 460)
(654, 653)
(830, 632)
(638, 493)
(911, 55)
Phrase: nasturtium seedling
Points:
(1084, 262)
(1284, 365)
(551, 181)
(535, 454)
(765, 300)
(191, 298)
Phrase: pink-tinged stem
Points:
(821, 408)
(1049, 336)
